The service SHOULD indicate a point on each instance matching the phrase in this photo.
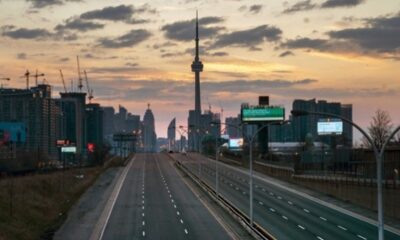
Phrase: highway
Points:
(282, 212)
(155, 203)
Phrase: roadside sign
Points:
(330, 126)
(263, 114)
(71, 149)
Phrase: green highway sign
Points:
(263, 114)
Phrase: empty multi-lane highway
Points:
(155, 203)
(285, 213)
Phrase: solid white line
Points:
(113, 199)
(343, 228)
(362, 237)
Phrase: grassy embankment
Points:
(34, 206)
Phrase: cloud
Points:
(185, 30)
(47, 3)
(78, 25)
(21, 56)
(129, 39)
(255, 8)
(66, 59)
(286, 54)
(249, 38)
(379, 37)
(24, 33)
(341, 3)
(300, 6)
(123, 13)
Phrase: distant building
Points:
(171, 134)
(120, 120)
(94, 125)
(132, 123)
(108, 121)
(73, 107)
(148, 132)
(232, 127)
(35, 108)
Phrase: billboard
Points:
(68, 149)
(13, 131)
(235, 143)
(263, 114)
(330, 127)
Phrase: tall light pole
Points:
(378, 156)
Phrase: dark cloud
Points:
(255, 8)
(131, 64)
(219, 54)
(300, 6)
(185, 30)
(24, 33)
(249, 38)
(378, 37)
(164, 45)
(123, 13)
(129, 39)
(47, 3)
(286, 54)
(78, 25)
(21, 56)
(341, 3)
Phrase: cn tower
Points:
(197, 67)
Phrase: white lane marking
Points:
(364, 238)
(271, 193)
(186, 231)
(279, 197)
(181, 221)
(177, 213)
(341, 227)
(174, 206)
(284, 217)
(320, 238)
(142, 214)
(143, 223)
(142, 201)
(303, 228)
(306, 210)
(290, 203)
(142, 207)
(244, 193)
(261, 203)
(272, 210)
(144, 233)
(323, 218)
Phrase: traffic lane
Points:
(161, 220)
(334, 218)
(199, 222)
(125, 216)
(286, 217)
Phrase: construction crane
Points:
(63, 82)
(4, 79)
(80, 85)
(37, 75)
(89, 90)
(26, 76)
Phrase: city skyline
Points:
(142, 54)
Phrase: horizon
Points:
(141, 53)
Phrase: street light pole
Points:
(378, 156)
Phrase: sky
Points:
(140, 52)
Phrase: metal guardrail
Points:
(256, 230)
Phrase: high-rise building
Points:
(132, 123)
(171, 133)
(73, 107)
(108, 121)
(197, 67)
(94, 124)
(148, 132)
(37, 111)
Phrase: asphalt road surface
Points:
(155, 203)
(285, 214)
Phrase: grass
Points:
(34, 206)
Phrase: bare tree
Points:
(379, 129)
